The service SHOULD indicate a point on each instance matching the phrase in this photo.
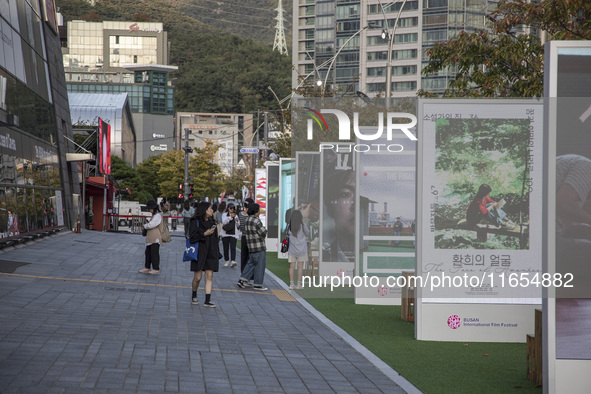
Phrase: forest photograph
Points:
(483, 172)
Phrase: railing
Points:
(135, 223)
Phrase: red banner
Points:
(104, 147)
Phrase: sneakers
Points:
(227, 264)
(209, 304)
(241, 284)
(261, 288)
(291, 286)
(144, 271)
(299, 286)
(234, 264)
(154, 272)
(194, 301)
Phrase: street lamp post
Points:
(390, 44)
(187, 150)
(334, 58)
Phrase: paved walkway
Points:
(76, 317)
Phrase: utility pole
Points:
(266, 126)
(187, 150)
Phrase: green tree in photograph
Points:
(127, 178)
(148, 171)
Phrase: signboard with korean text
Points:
(479, 218)
(272, 205)
(286, 198)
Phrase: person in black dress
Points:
(203, 230)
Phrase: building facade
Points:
(341, 44)
(126, 57)
(39, 189)
(114, 109)
(229, 131)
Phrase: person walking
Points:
(242, 216)
(229, 237)
(257, 251)
(173, 214)
(203, 230)
(187, 214)
(298, 247)
(153, 240)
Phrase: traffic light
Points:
(190, 190)
(180, 191)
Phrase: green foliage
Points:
(501, 63)
(148, 171)
(246, 18)
(470, 152)
(126, 177)
(207, 175)
(233, 183)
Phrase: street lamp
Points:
(369, 26)
(385, 34)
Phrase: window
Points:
(348, 11)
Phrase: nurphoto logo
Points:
(345, 129)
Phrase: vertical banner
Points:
(273, 200)
(567, 303)
(261, 193)
(286, 198)
(337, 227)
(386, 216)
(307, 195)
(480, 194)
(104, 147)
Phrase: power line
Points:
(239, 5)
(229, 12)
(226, 21)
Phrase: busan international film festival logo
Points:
(382, 290)
(454, 322)
(345, 129)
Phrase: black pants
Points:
(243, 253)
(153, 256)
(229, 242)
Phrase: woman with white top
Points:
(298, 247)
(230, 237)
(153, 240)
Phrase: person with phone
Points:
(203, 230)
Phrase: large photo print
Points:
(483, 166)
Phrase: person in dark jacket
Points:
(203, 230)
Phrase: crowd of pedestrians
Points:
(207, 224)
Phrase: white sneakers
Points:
(234, 264)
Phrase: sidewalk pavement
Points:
(77, 317)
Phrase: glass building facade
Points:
(33, 194)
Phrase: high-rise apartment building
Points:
(342, 42)
(126, 57)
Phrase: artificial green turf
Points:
(433, 367)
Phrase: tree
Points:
(207, 175)
(501, 63)
(148, 171)
(171, 172)
(127, 178)
(234, 182)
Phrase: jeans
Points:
(186, 222)
(397, 234)
(243, 253)
(229, 243)
(257, 262)
(495, 216)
